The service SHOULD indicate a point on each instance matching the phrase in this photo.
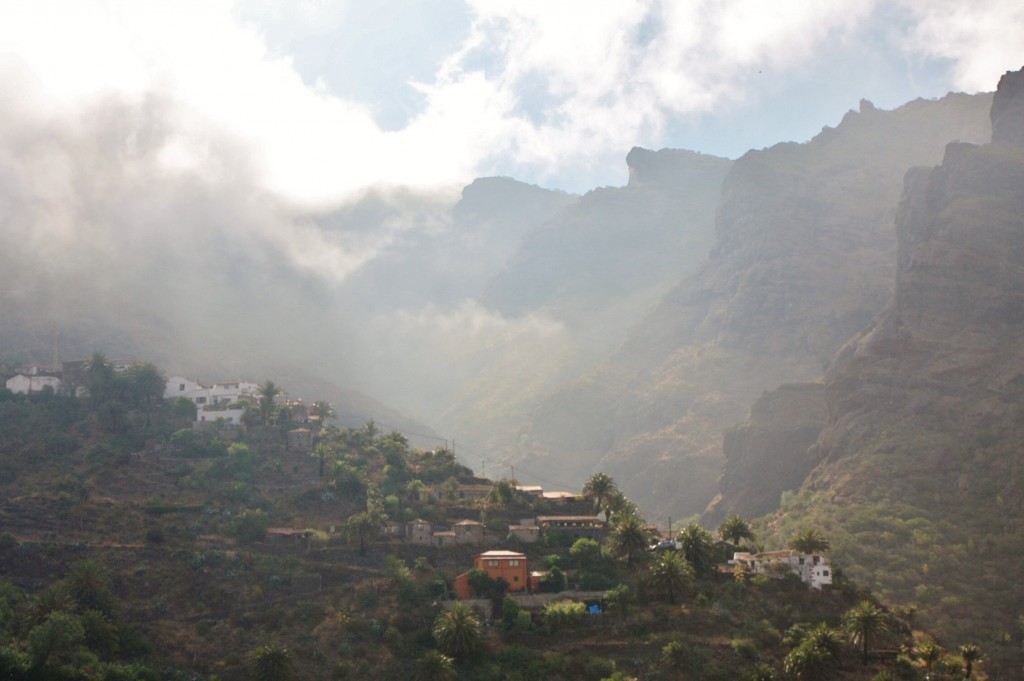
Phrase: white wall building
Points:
(28, 384)
(211, 415)
(178, 386)
(813, 569)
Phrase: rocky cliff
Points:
(922, 449)
(589, 274)
(804, 258)
(767, 454)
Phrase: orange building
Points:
(508, 565)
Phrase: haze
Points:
(269, 189)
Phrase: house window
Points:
(493, 563)
(181, 386)
(801, 561)
(824, 573)
(515, 578)
(513, 563)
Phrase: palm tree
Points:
(735, 529)
(89, 585)
(458, 632)
(267, 392)
(761, 672)
(359, 526)
(415, 489)
(628, 539)
(599, 487)
(322, 452)
(865, 623)
(671, 574)
(435, 666)
(272, 662)
(809, 540)
(816, 657)
(970, 653)
(325, 410)
(697, 547)
(618, 504)
(929, 654)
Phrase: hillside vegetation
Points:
(139, 548)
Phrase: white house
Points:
(27, 384)
(211, 414)
(178, 386)
(813, 569)
(232, 391)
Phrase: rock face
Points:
(1008, 110)
(804, 258)
(927, 405)
(767, 455)
(591, 271)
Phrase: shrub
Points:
(563, 614)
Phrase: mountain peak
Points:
(1008, 110)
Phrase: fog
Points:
(108, 243)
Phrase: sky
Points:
(321, 99)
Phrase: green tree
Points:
(268, 391)
(56, 640)
(628, 540)
(809, 540)
(325, 410)
(502, 493)
(143, 384)
(99, 378)
(271, 662)
(586, 552)
(929, 654)
(816, 657)
(435, 666)
(89, 585)
(735, 529)
(415, 489)
(458, 632)
(670, 574)
(251, 526)
(184, 408)
(698, 548)
(865, 624)
(970, 653)
(322, 451)
(113, 416)
(360, 526)
(599, 487)
(761, 671)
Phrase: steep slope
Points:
(804, 258)
(582, 280)
(921, 482)
(767, 455)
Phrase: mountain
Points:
(919, 480)
(576, 286)
(804, 257)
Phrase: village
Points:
(248, 503)
(235, 404)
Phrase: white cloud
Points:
(982, 38)
(535, 87)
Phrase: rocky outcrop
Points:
(591, 271)
(804, 258)
(927, 405)
(1008, 110)
(767, 455)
